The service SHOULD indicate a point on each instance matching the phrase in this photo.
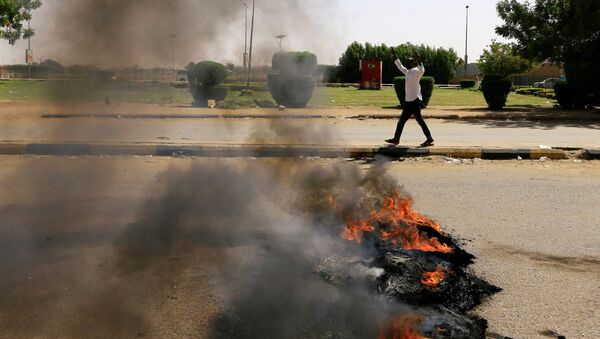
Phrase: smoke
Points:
(143, 32)
(271, 225)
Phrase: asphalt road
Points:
(337, 131)
(68, 229)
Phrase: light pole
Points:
(29, 54)
(173, 36)
(281, 37)
(467, 41)
(246, 41)
(250, 55)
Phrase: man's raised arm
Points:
(420, 65)
(398, 63)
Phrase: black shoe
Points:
(393, 141)
(427, 143)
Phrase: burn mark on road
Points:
(565, 263)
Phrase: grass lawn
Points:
(440, 97)
(166, 93)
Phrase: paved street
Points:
(65, 273)
(345, 132)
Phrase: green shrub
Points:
(529, 90)
(464, 84)
(295, 63)
(204, 79)
(294, 92)
(569, 96)
(207, 73)
(292, 81)
(495, 89)
(426, 89)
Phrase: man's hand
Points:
(394, 56)
(418, 58)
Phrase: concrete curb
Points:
(279, 151)
(594, 154)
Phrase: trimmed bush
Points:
(569, 96)
(204, 79)
(294, 92)
(529, 91)
(464, 84)
(295, 63)
(292, 81)
(496, 88)
(426, 89)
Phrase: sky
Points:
(325, 27)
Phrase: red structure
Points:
(372, 73)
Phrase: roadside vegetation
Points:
(177, 93)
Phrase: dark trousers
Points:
(410, 109)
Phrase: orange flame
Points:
(355, 229)
(434, 279)
(403, 328)
(401, 225)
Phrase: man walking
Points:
(413, 71)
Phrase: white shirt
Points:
(413, 78)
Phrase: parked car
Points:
(547, 84)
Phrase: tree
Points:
(348, 65)
(501, 58)
(439, 63)
(52, 66)
(566, 32)
(12, 15)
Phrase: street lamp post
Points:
(173, 36)
(246, 41)
(281, 37)
(467, 41)
(251, 41)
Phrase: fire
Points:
(434, 279)
(355, 229)
(400, 225)
(331, 201)
(397, 208)
(403, 328)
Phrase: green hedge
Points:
(294, 92)
(204, 79)
(529, 90)
(207, 73)
(570, 96)
(292, 80)
(464, 84)
(202, 94)
(426, 89)
(295, 63)
(496, 88)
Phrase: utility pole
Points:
(246, 41)
(251, 41)
(467, 42)
(173, 36)
(29, 54)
